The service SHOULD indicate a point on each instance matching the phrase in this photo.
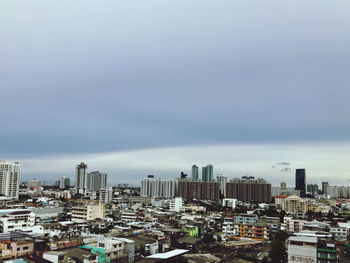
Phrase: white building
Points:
(176, 204)
(229, 202)
(16, 219)
(87, 212)
(80, 183)
(156, 187)
(106, 195)
(302, 249)
(9, 179)
(64, 183)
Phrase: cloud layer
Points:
(81, 76)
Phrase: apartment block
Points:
(88, 211)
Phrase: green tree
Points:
(278, 252)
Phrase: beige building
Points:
(88, 211)
(14, 249)
(294, 204)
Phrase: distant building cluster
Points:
(89, 182)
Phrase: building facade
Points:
(194, 173)
(156, 187)
(249, 190)
(199, 190)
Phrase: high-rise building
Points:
(95, 181)
(156, 187)
(249, 190)
(9, 179)
(324, 187)
(198, 190)
(194, 173)
(80, 183)
(207, 173)
(312, 189)
(64, 183)
(300, 181)
(222, 180)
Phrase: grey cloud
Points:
(285, 169)
(132, 75)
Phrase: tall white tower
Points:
(9, 179)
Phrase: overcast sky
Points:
(138, 87)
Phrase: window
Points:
(25, 248)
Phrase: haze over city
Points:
(258, 88)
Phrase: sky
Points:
(151, 87)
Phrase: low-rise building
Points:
(294, 204)
(246, 218)
(302, 249)
(293, 225)
(88, 211)
(13, 219)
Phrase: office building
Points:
(300, 181)
(222, 180)
(95, 181)
(324, 187)
(207, 173)
(194, 173)
(198, 190)
(80, 183)
(9, 179)
(249, 190)
(64, 183)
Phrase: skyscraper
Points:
(300, 181)
(324, 187)
(207, 173)
(194, 173)
(80, 183)
(9, 179)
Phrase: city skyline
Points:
(123, 84)
(127, 167)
